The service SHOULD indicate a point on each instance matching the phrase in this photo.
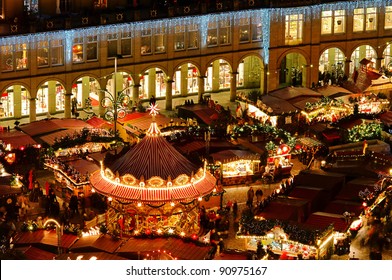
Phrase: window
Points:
(112, 45)
(56, 52)
(85, 49)
(92, 48)
(159, 39)
(257, 31)
(21, 56)
(126, 43)
(116, 46)
(43, 54)
(7, 58)
(146, 42)
(212, 34)
(388, 17)
(179, 38)
(365, 19)
(333, 22)
(219, 33)
(77, 50)
(193, 36)
(244, 28)
(293, 29)
(52, 55)
(31, 6)
(224, 32)
(14, 57)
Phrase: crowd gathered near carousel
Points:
(172, 178)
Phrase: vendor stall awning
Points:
(176, 247)
(322, 220)
(233, 155)
(17, 139)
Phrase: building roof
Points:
(17, 139)
(96, 243)
(173, 246)
(322, 220)
(234, 155)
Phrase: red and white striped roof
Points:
(153, 157)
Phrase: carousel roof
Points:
(153, 172)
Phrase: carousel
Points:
(153, 189)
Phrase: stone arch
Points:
(153, 82)
(331, 66)
(251, 72)
(15, 99)
(186, 79)
(362, 51)
(218, 74)
(292, 66)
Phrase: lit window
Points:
(145, 41)
(224, 32)
(43, 53)
(388, 17)
(365, 19)
(244, 28)
(193, 36)
(21, 56)
(56, 52)
(159, 39)
(212, 34)
(333, 22)
(293, 31)
(179, 38)
(257, 31)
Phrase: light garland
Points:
(134, 28)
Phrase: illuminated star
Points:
(153, 109)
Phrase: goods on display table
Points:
(279, 162)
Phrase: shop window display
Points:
(6, 105)
(332, 22)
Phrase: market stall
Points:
(289, 241)
(279, 161)
(236, 166)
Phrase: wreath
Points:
(251, 2)
(84, 20)
(219, 6)
(187, 9)
(119, 17)
(153, 13)
(49, 24)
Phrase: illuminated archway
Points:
(218, 76)
(186, 80)
(14, 102)
(361, 52)
(331, 64)
(153, 83)
(293, 70)
(251, 73)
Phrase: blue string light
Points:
(266, 15)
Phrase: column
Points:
(151, 83)
(52, 97)
(202, 80)
(101, 110)
(169, 96)
(347, 67)
(67, 105)
(135, 94)
(17, 102)
(184, 80)
(33, 109)
(378, 63)
(233, 86)
(215, 76)
(85, 90)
